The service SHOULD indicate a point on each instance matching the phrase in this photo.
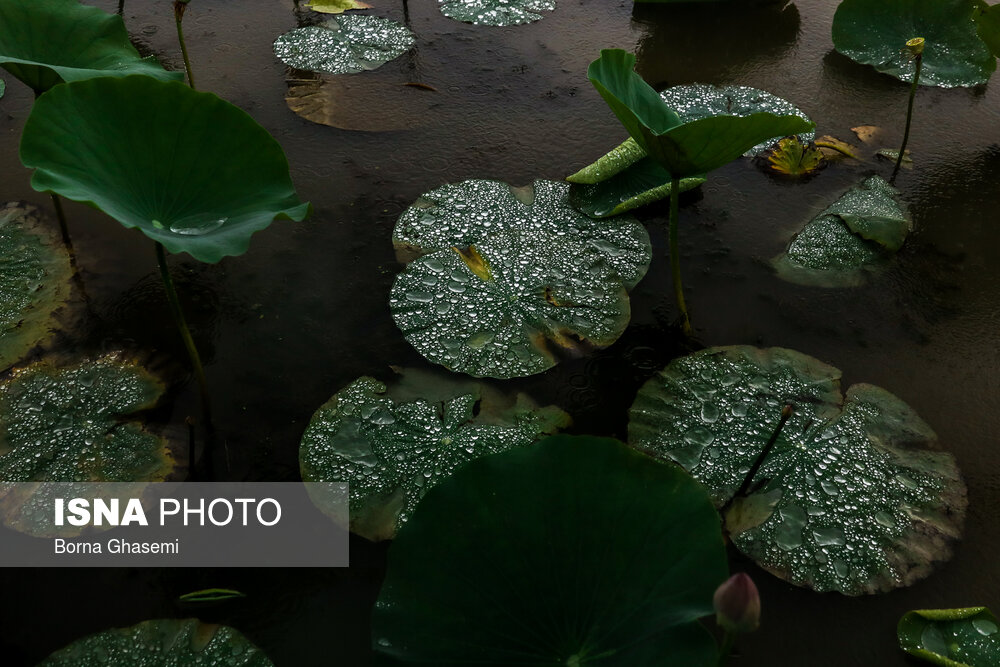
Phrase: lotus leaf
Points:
(874, 32)
(793, 158)
(46, 42)
(360, 103)
(391, 451)
(34, 280)
(3, 87)
(335, 6)
(951, 637)
(496, 12)
(161, 643)
(344, 45)
(855, 497)
(573, 551)
(851, 237)
(505, 307)
(466, 213)
(186, 168)
(988, 26)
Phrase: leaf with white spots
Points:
(344, 45)
(951, 637)
(498, 13)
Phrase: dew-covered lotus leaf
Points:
(344, 45)
(693, 144)
(988, 26)
(641, 184)
(46, 42)
(392, 451)
(873, 32)
(335, 6)
(794, 158)
(466, 213)
(854, 235)
(856, 495)
(951, 637)
(496, 12)
(35, 274)
(572, 551)
(510, 305)
(162, 643)
(186, 168)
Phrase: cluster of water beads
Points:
(344, 45)
(496, 12)
(198, 227)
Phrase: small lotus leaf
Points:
(496, 12)
(46, 42)
(466, 213)
(35, 274)
(505, 307)
(163, 643)
(573, 551)
(851, 237)
(793, 158)
(335, 6)
(344, 45)
(856, 495)
(874, 32)
(186, 168)
(988, 26)
(392, 452)
(951, 637)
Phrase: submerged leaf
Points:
(34, 280)
(951, 637)
(335, 6)
(793, 158)
(392, 450)
(892, 154)
(46, 42)
(360, 103)
(874, 32)
(188, 169)
(161, 642)
(466, 213)
(856, 495)
(344, 45)
(573, 551)
(867, 133)
(496, 12)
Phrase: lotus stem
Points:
(728, 642)
(179, 7)
(406, 12)
(675, 253)
(121, 7)
(182, 327)
(916, 47)
(63, 227)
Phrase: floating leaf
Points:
(466, 213)
(46, 42)
(793, 158)
(34, 280)
(335, 6)
(186, 168)
(573, 551)
(833, 148)
(163, 643)
(344, 45)
(392, 451)
(544, 296)
(873, 32)
(867, 133)
(951, 637)
(850, 238)
(496, 12)
(211, 595)
(856, 495)
(988, 26)
(892, 154)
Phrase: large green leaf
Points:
(35, 274)
(344, 45)
(496, 12)
(45, 42)
(874, 32)
(951, 637)
(186, 168)
(856, 495)
(988, 26)
(162, 643)
(684, 148)
(466, 213)
(392, 449)
(574, 551)
(642, 183)
(505, 307)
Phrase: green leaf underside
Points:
(392, 451)
(46, 42)
(988, 26)
(498, 13)
(335, 6)
(186, 168)
(344, 45)
(544, 297)
(640, 184)
(34, 280)
(951, 637)
(466, 213)
(873, 32)
(855, 497)
(553, 558)
(163, 643)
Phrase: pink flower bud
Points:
(737, 604)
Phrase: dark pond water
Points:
(304, 312)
